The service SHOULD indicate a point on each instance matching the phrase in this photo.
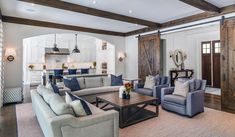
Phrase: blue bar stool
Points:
(72, 71)
(85, 71)
(58, 75)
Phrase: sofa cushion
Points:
(89, 91)
(175, 99)
(149, 82)
(106, 81)
(116, 80)
(59, 106)
(41, 89)
(72, 84)
(81, 82)
(47, 95)
(93, 82)
(144, 91)
(82, 104)
(181, 88)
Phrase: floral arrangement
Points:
(129, 87)
(31, 66)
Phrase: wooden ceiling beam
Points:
(91, 11)
(24, 21)
(197, 17)
(203, 5)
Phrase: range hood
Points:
(63, 51)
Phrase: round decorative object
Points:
(10, 58)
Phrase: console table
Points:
(174, 74)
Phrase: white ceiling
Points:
(152, 10)
(221, 3)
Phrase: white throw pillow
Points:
(76, 105)
(78, 108)
(181, 88)
(67, 98)
(149, 82)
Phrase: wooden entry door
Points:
(206, 62)
(211, 63)
(216, 49)
(227, 34)
(149, 56)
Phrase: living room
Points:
(128, 69)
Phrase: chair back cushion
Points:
(161, 80)
(149, 82)
(181, 88)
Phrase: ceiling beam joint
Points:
(203, 5)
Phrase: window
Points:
(206, 48)
(104, 45)
(217, 48)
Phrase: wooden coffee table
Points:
(130, 111)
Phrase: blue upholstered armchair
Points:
(190, 105)
(161, 82)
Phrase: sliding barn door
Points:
(149, 56)
(228, 64)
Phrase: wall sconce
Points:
(121, 56)
(10, 54)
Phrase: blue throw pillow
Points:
(116, 80)
(55, 88)
(84, 104)
(72, 84)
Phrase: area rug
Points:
(211, 123)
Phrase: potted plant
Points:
(31, 66)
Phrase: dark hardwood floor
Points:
(8, 125)
(8, 122)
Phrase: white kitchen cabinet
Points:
(35, 77)
(36, 50)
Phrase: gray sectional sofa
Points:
(94, 86)
(56, 118)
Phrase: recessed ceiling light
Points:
(32, 4)
(94, 2)
(130, 11)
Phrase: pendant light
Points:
(76, 50)
(55, 49)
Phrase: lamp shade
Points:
(10, 52)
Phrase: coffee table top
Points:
(136, 99)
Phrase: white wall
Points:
(188, 40)
(13, 38)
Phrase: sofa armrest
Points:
(64, 124)
(157, 90)
(166, 91)
(195, 102)
(139, 85)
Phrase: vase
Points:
(124, 95)
(128, 96)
